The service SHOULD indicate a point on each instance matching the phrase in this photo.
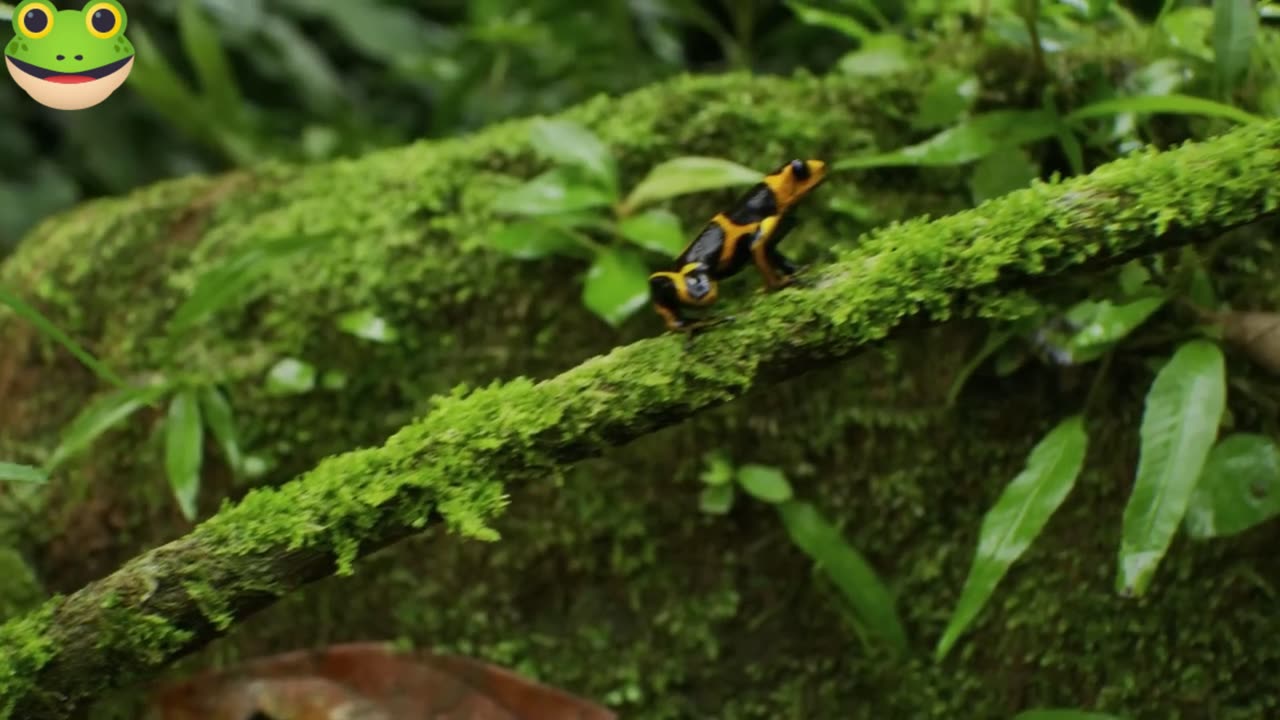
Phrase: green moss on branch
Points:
(455, 462)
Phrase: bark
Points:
(458, 461)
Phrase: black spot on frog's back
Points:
(706, 247)
(756, 205)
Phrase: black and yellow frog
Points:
(750, 232)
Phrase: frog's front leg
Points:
(778, 271)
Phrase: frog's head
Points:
(69, 59)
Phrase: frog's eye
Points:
(800, 169)
(36, 20)
(103, 20)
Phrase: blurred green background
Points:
(221, 83)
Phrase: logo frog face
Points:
(69, 59)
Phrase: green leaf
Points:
(1183, 410)
(368, 325)
(1187, 29)
(1102, 324)
(617, 285)
(1235, 26)
(839, 22)
(183, 445)
(561, 190)
(53, 332)
(966, 142)
(1239, 488)
(204, 48)
(946, 98)
(568, 142)
(230, 280)
(1134, 278)
(1065, 715)
(719, 471)
(1017, 518)
(220, 419)
(657, 230)
(684, 175)
(1173, 104)
(879, 56)
(716, 499)
(12, 472)
(100, 416)
(532, 240)
(291, 376)
(852, 574)
(765, 483)
(1003, 171)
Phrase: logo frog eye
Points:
(36, 21)
(103, 20)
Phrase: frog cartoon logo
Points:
(69, 59)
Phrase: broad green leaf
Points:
(716, 499)
(684, 175)
(617, 285)
(55, 333)
(1239, 488)
(946, 98)
(1102, 324)
(561, 190)
(532, 240)
(13, 472)
(569, 142)
(183, 450)
(839, 22)
(1056, 714)
(291, 376)
(718, 472)
(966, 142)
(1017, 518)
(229, 281)
(1235, 25)
(880, 55)
(204, 49)
(100, 416)
(220, 419)
(1174, 104)
(765, 483)
(1134, 278)
(1179, 424)
(852, 574)
(368, 325)
(1188, 28)
(657, 230)
(1003, 171)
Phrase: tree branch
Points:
(454, 463)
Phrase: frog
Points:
(749, 233)
(69, 59)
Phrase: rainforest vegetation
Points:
(331, 383)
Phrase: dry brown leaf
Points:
(1256, 333)
(368, 681)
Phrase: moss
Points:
(29, 647)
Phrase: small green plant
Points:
(868, 602)
(1186, 477)
(577, 209)
(196, 408)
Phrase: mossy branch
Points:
(454, 463)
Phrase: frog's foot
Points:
(692, 329)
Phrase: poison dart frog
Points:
(69, 59)
(749, 233)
